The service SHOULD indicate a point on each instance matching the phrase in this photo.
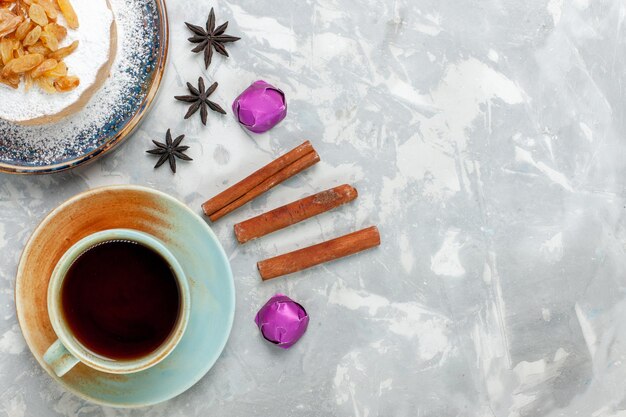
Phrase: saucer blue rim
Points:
(231, 284)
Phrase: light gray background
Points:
(486, 141)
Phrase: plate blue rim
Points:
(118, 137)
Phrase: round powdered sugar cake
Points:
(90, 62)
(141, 46)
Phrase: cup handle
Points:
(59, 358)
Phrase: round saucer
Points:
(191, 241)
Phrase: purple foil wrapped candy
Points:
(282, 321)
(260, 107)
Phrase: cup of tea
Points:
(119, 302)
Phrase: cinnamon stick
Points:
(323, 252)
(295, 212)
(233, 193)
(289, 171)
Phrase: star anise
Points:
(210, 38)
(170, 150)
(200, 100)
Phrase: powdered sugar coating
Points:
(119, 99)
(94, 36)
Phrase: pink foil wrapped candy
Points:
(282, 321)
(260, 107)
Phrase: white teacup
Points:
(67, 351)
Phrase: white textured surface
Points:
(485, 139)
(94, 37)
